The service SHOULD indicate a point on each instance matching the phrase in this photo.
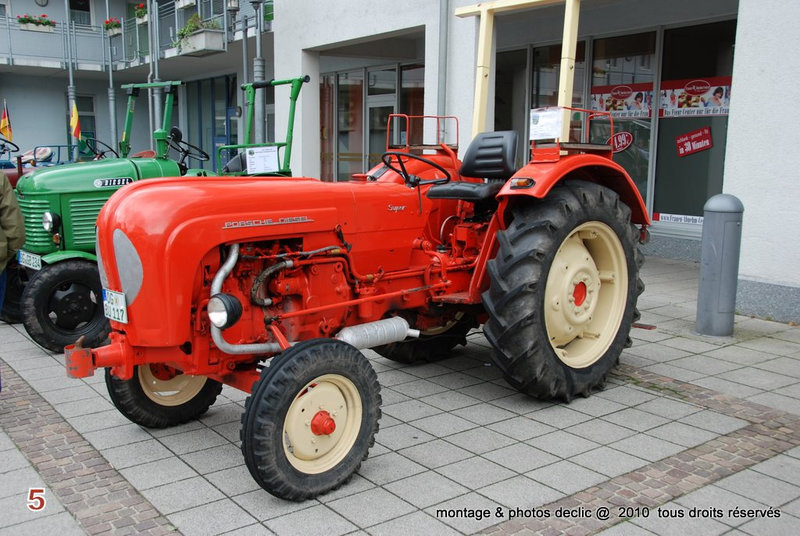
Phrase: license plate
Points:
(30, 260)
(114, 306)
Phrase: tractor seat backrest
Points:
(491, 155)
(236, 164)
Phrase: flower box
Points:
(202, 43)
(30, 27)
(143, 19)
(183, 4)
(111, 32)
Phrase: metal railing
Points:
(91, 48)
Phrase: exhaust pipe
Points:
(377, 333)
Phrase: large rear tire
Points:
(564, 286)
(159, 396)
(311, 419)
(62, 303)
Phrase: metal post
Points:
(112, 104)
(719, 265)
(259, 70)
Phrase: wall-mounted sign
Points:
(624, 100)
(620, 141)
(694, 141)
(695, 97)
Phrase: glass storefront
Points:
(695, 93)
(673, 85)
(355, 107)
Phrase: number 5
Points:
(36, 500)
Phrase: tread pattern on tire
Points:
(518, 275)
(129, 398)
(265, 410)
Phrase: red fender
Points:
(588, 167)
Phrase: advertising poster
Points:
(624, 100)
(695, 97)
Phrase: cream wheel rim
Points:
(173, 392)
(322, 424)
(586, 294)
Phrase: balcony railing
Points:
(90, 48)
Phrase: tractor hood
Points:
(153, 236)
(93, 176)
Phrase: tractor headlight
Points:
(51, 222)
(224, 310)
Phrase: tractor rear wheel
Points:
(62, 303)
(159, 396)
(433, 344)
(564, 286)
(311, 419)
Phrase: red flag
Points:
(5, 123)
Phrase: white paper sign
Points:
(546, 123)
(262, 160)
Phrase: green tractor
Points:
(56, 292)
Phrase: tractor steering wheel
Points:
(188, 150)
(413, 180)
(92, 143)
(8, 145)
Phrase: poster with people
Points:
(623, 100)
(695, 97)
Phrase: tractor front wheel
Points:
(62, 303)
(564, 286)
(311, 419)
(159, 396)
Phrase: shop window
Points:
(509, 99)
(695, 93)
(546, 72)
(350, 124)
(623, 73)
(327, 131)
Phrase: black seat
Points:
(491, 156)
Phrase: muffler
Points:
(377, 333)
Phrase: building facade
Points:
(690, 86)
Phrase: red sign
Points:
(694, 141)
(620, 141)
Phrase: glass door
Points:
(350, 124)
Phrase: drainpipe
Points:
(71, 86)
(444, 28)
(112, 98)
(155, 50)
(258, 74)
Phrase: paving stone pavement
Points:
(692, 434)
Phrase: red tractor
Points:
(272, 285)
